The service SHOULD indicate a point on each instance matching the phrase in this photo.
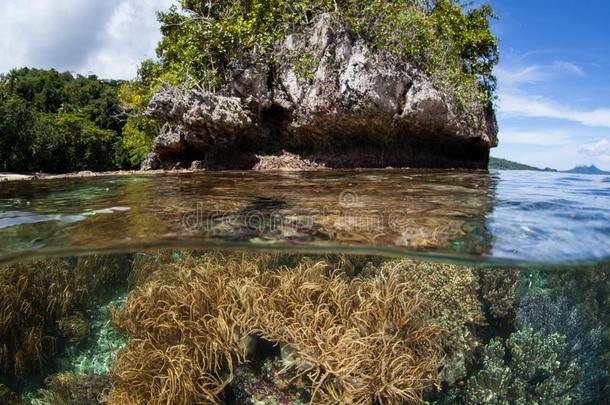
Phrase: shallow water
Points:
(493, 217)
(372, 286)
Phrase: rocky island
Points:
(341, 86)
(358, 108)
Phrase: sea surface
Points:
(355, 286)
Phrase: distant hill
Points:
(503, 164)
(587, 170)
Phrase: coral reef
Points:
(41, 303)
(588, 289)
(379, 336)
(550, 358)
(271, 386)
(526, 369)
(75, 328)
(73, 389)
(583, 344)
(8, 396)
(101, 346)
(214, 327)
(498, 290)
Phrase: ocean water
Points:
(365, 287)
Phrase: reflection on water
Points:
(527, 216)
(185, 327)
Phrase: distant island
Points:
(504, 164)
(587, 170)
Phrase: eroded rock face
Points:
(330, 101)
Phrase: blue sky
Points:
(554, 82)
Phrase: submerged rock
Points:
(271, 385)
(327, 99)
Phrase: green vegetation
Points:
(201, 40)
(503, 164)
(56, 122)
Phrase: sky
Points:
(553, 79)
(554, 82)
(105, 37)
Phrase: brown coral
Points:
(39, 299)
(380, 336)
(74, 389)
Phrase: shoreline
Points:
(12, 177)
(6, 177)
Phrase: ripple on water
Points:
(527, 216)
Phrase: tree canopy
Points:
(57, 122)
(450, 41)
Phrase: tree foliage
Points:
(202, 39)
(56, 122)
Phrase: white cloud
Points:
(130, 36)
(516, 99)
(549, 138)
(514, 76)
(514, 104)
(599, 149)
(106, 37)
(568, 67)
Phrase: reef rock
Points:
(330, 101)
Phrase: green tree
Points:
(57, 122)
(17, 130)
(202, 39)
(69, 142)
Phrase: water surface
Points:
(517, 216)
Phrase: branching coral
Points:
(380, 336)
(182, 345)
(583, 344)
(457, 310)
(588, 289)
(271, 386)
(498, 288)
(74, 327)
(551, 358)
(527, 369)
(7, 396)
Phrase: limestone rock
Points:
(327, 99)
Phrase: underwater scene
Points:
(328, 287)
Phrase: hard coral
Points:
(498, 287)
(526, 369)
